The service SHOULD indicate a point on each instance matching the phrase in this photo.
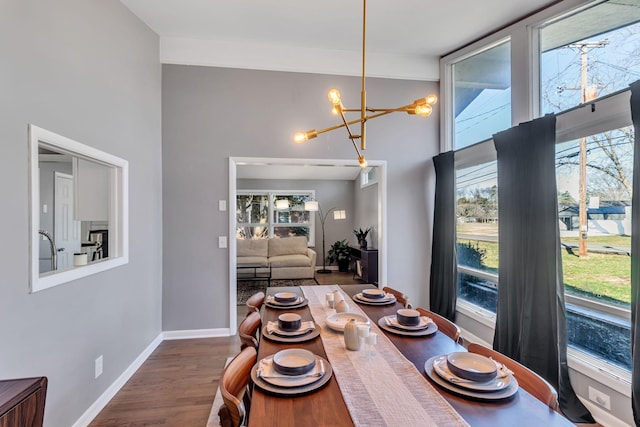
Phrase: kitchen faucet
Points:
(52, 247)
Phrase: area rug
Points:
(246, 288)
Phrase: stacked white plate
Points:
(469, 365)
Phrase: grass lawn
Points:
(602, 276)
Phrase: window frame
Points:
(612, 109)
(271, 223)
(118, 205)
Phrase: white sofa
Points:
(289, 257)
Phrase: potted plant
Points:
(341, 253)
(361, 235)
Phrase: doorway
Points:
(298, 169)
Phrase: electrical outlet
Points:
(99, 366)
(222, 241)
(222, 205)
(600, 398)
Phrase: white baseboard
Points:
(111, 391)
(602, 416)
(196, 333)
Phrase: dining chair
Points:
(533, 383)
(255, 301)
(445, 325)
(400, 297)
(248, 330)
(233, 388)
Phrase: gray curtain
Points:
(444, 272)
(635, 249)
(531, 323)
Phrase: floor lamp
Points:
(314, 206)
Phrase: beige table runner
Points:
(385, 388)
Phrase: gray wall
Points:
(210, 114)
(88, 70)
(366, 213)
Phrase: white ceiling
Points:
(405, 38)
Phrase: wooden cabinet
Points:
(22, 402)
(364, 264)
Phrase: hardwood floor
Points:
(176, 385)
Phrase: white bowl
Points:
(294, 361)
(373, 293)
(471, 366)
(289, 322)
(286, 297)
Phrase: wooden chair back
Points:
(248, 330)
(533, 383)
(400, 297)
(255, 301)
(233, 388)
(445, 325)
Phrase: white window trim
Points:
(522, 34)
(270, 224)
(118, 207)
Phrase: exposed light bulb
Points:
(363, 162)
(423, 110)
(334, 97)
(431, 99)
(301, 137)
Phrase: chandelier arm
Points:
(346, 125)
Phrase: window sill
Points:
(605, 373)
(476, 313)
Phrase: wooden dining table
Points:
(326, 406)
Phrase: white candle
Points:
(372, 339)
(363, 330)
(330, 300)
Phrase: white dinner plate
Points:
(442, 369)
(307, 336)
(297, 390)
(505, 393)
(368, 301)
(339, 320)
(301, 302)
(424, 323)
(304, 329)
(429, 330)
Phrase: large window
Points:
(477, 235)
(596, 242)
(588, 54)
(585, 55)
(482, 95)
(258, 216)
(575, 57)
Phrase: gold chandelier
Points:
(422, 107)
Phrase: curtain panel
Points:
(635, 249)
(444, 273)
(530, 318)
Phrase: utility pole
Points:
(587, 93)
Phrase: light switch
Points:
(45, 208)
(222, 205)
(222, 241)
